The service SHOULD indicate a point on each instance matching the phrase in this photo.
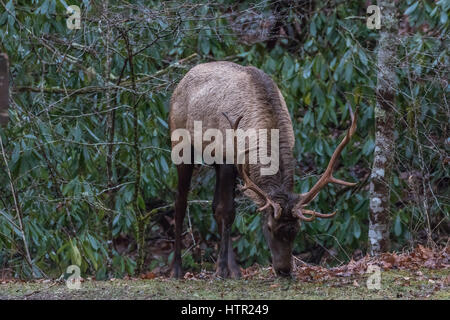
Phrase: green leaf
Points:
(398, 226)
(141, 202)
(396, 181)
(411, 8)
(318, 94)
(362, 57)
(90, 256)
(348, 72)
(368, 147)
(444, 17)
(312, 28)
(91, 133)
(164, 165)
(288, 67)
(164, 123)
(93, 242)
(75, 255)
(307, 71)
(204, 45)
(309, 118)
(356, 229)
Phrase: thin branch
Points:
(18, 209)
(97, 89)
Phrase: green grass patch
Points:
(424, 284)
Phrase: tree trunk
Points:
(384, 131)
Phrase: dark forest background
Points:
(86, 176)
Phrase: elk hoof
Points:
(222, 272)
(234, 269)
(284, 274)
(235, 273)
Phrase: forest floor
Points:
(395, 284)
(422, 273)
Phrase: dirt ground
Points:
(395, 284)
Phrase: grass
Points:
(427, 284)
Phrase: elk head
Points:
(285, 210)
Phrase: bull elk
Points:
(224, 95)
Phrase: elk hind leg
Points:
(224, 213)
(184, 180)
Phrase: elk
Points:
(226, 95)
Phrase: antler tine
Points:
(300, 214)
(248, 183)
(318, 214)
(327, 176)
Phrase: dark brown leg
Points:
(224, 213)
(184, 181)
(235, 270)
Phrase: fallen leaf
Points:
(148, 275)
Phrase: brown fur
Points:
(207, 92)
(219, 94)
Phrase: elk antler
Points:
(327, 177)
(299, 213)
(248, 183)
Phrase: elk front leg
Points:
(224, 213)
(233, 267)
(184, 181)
